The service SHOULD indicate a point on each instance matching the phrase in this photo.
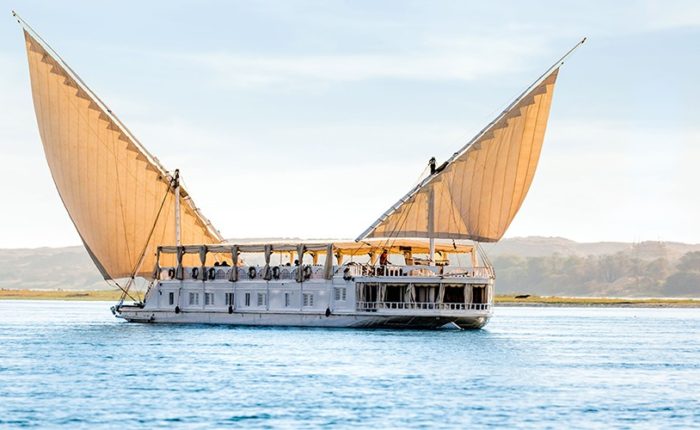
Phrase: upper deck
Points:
(302, 262)
(306, 283)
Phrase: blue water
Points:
(72, 365)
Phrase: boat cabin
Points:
(366, 277)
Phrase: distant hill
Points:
(49, 268)
(535, 246)
(534, 265)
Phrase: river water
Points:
(73, 365)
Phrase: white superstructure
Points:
(329, 295)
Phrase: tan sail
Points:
(483, 186)
(118, 196)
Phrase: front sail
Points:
(482, 186)
(119, 197)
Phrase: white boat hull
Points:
(390, 300)
(356, 320)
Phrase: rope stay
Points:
(132, 278)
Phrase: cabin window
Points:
(208, 299)
(454, 294)
(341, 294)
(194, 298)
(229, 299)
(286, 300)
(247, 299)
(262, 299)
(308, 299)
(479, 294)
(171, 298)
(394, 293)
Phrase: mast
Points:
(431, 224)
(176, 184)
(431, 216)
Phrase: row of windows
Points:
(194, 299)
(261, 299)
(307, 298)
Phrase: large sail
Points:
(481, 188)
(119, 197)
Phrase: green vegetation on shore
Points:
(507, 300)
(645, 270)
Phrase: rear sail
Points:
(478, 192)
(119, 197)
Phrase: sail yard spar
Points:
(480, 189)
(121, 200)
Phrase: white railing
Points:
(318, 272)
(416, 271)
(373, 306)
(471, 272)
(244, 272)
(210, 273)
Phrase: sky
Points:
(261, 102)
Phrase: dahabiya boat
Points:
(138, 221)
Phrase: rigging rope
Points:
(145, 248)
(124, 292)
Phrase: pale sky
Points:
(345, 102)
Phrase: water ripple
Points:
(72, 365)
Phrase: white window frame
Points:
(247, 299)
(262, 299)
(194, 299)
(308, 300)
(287, 299)
(230, 299)
(171, 298)
(341, 294)
(208, 299)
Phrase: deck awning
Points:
(341, 247)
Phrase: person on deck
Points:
(408, 257)
(384, 258)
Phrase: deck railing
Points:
(418, 271)
(244, 272)
(374, 306)
(318, 272)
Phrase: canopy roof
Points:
(482, 186)
(119, 197)
(342, 247)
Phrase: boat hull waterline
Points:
(138, 315)
(359, 296)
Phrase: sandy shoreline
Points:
(655, 302)
(626, 304)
